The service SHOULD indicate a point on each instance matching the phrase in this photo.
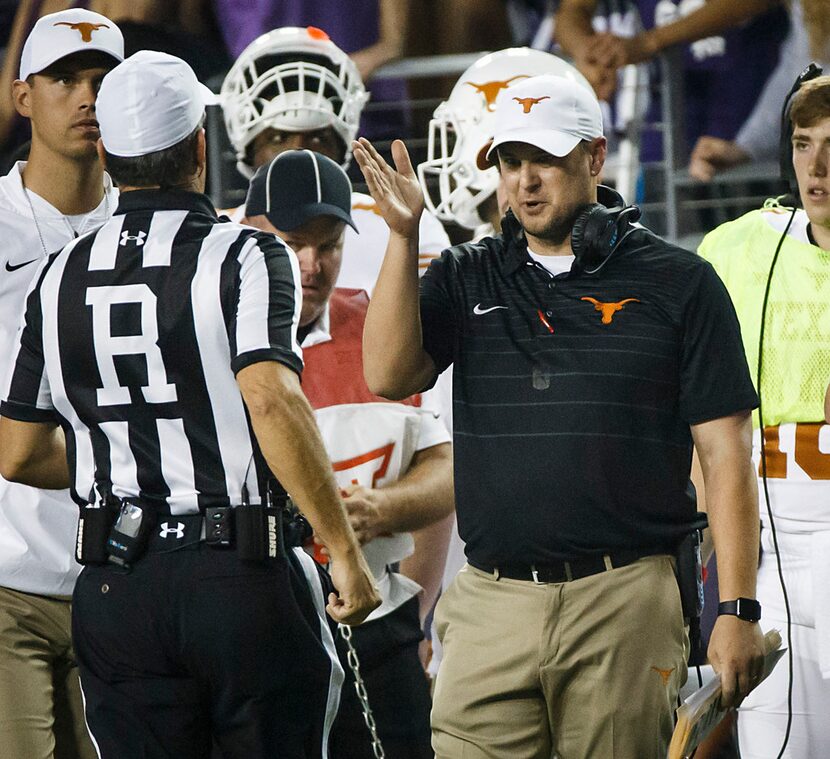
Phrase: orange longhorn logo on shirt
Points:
(609, 309)
(528, 103)
(83, 27)
(665, 674)
(490, 90)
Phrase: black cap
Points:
(298, 186)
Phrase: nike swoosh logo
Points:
(478, 310)
(15, 267)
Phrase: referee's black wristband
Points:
(747, 609)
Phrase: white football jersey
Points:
(372, 444)
(798, 476)
(363, 253)
(37, 527)
(369, 441)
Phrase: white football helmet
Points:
(462, 124)
(294, 79)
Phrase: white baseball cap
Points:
(148, 103)
(60, 34)
(549, 112)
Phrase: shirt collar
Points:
(164, 200)
(320, 331)
(514, 237)
(44, 209)
(515, 254)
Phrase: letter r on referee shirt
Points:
(107, 345)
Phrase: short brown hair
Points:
(167, 169)
(811, 103)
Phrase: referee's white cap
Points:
(73, 31)
(148, 103)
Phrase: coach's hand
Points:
(736, 652)
(396, 192)
(357, 593)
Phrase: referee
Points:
(165, 347)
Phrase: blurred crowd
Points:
(737, 57)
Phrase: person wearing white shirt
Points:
(61, 192)
(392, 461)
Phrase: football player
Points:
(293, 88)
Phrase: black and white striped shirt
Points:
(132, 339)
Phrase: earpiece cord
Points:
(608, 257)
(766, 488)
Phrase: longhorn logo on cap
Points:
(528, 103)
(490, 90)
(84, 28)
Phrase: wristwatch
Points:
(747, 609)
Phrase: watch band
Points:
(747, 609)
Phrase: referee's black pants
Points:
(194, 646)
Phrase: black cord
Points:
(766, 488)
(179, 547)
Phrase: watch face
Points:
(747, 609)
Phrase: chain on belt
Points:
(360, 689)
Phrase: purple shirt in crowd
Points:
(723, 75)
(351, 24)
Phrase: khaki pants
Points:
(588, 669)
(41, 711)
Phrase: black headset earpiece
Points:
(599, 229)
(785, 156)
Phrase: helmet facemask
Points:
(312, 86)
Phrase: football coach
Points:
(584, 350)
(164, 345)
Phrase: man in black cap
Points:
(392, 460)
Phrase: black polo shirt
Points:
(573, 394)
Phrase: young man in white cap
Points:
(59, 193)
(164, 344)
(393, 461)
(582, 350)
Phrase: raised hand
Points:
(396, 192)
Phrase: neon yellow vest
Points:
(796, 365)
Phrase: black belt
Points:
(565, 571)
(253, 531)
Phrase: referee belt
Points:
(566, 571)
(255, 532)
(172, 532)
